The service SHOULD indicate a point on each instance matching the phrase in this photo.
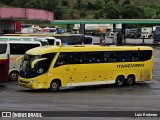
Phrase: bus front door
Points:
(67, 74)
(71, 75)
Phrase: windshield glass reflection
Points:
(40, 67)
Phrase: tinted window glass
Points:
(135, 56)
(3, 48)
(102, 57)
(63, 58)
(51, 41)
(145, 55)
(46, 63)
(21, 48)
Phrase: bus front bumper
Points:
(26, 85)
(31, 83)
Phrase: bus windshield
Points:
(25, 68)
(157, 31)
(40, 67)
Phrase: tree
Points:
(100, 4)
(78, 4)
(64, 2)
(149, 12)
(74, 14)
(83, 14)
(99, 14)
(111, 10)
(52, 5)
(7, 1)
(62, 12)
(19, 3)
(91, 5)
(126, 2)
(37, 4)
(132, 12)
(116, 1)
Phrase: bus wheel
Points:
(13, 76)
(54, 86)
(130, 80)
(120, 81)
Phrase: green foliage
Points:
(111, 10)
(89, 9)
(91, 5)
(132, 12)
(6, 1)
(18, 3)
(64, 2)
(126, 2)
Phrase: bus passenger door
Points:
(66, 70)
(67, 74)
(71, 75)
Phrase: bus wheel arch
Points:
(120, 80)
(55, 85)
(13, 75)
(130, 79)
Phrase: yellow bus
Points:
(54, 67)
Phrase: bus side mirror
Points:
(17, 59)
(36, 61)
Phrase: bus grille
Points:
(26, 82)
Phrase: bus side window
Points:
(106, 57)
(145, 55)
(120, 56)
(148, 54)
(46, 63)
(135, 56)
(60, 61)
(127, 56)
(113, 57)
(76, 58)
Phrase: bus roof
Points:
(23, 38)
(25, 42)
(82, 48)
(44, 34)
(17, 37)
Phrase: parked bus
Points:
(4, 63)
(12, 50)
(72, 39)
(23, 38)
(58, 67)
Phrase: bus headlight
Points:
(33, 81)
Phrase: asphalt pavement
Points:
(133, 41)
(139, 97)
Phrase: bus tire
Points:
(13, 76)
(55, 85)
(120, 80)
(130, 80)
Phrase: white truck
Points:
(146, 32)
